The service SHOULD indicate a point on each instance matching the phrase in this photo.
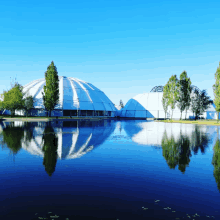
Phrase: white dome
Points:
(149, 105)
(74, 94)
(144, 105)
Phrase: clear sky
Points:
(122, 47)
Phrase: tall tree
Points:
(51, 89)
(165, 99)
(173, 91)
(183, 92)
(195, 102)
(188, 95)
(216, 90)
(121, 104)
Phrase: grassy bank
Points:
(23, 118)
(200, 122)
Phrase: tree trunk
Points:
(180, 115)
(165, 115)
(172, 115)
(217, 117)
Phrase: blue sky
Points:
(122, 47)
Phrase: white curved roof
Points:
(149, 101)
(149, 105)
(74, 94)
(137, 106)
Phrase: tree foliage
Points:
(165, 99)
(121, 104)
(216, 90)
(51, 89)
(172, 92)
(1, 105)
(200, 102)
(28, 104)
(183, 95)
(13, 99)
(205, 101)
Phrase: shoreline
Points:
(50, 119)
(198, 122)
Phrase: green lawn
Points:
(200, 122)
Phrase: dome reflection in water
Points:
(56, 139)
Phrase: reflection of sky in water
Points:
(116, 179)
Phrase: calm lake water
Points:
(109, 169)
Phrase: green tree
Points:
(183, 100)
(13, 99)
(188, 95)
(205, 101)
(195, 102)
(1, 106)
(28, 104)
(216, 90)
(121, 104)
(200, 101)
(173, 92)
(51, 89)
(165, 99)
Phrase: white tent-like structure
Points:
(76, 98)
(149, 105)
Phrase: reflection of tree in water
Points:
(199, 140)
(12, 137)
(179, 152)
(50, 145)
(28, 133)
(184, 152)
(176, 152)
(170, 151)
(216, 161)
